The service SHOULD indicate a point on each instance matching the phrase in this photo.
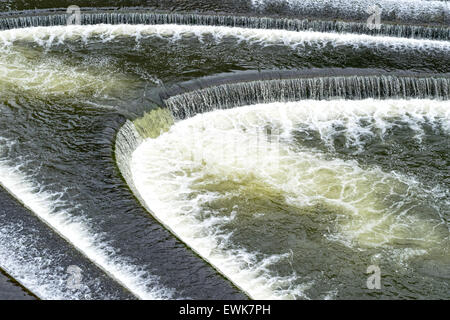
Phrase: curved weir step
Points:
(232, 95)
(38, 258)
(290, 24)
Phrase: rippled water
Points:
(268, 211)
(311, 195)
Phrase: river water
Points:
(224, 150)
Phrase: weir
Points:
(351, 87)
(229, 95)
(196, 181)
(417, 11)
(150, 18)
(128, 140)
(405, 11)
(11, 289)
(42, 257)
(126, 278)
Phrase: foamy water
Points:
(203, 152)
(48, 36)
(216, 160)
(33, 272)
(404, 9)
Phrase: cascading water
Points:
(218, 181)
(395, 30)
(403, 10)
(342, 134)
(353, 87)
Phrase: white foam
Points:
(77, 232)
(30, 70)
(223, 146)
(37, 269)
(47, 36)
(404, 9)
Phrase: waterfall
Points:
(407, 11)
(147, 18)
(351, 87)
(411, 25)
(217, 182)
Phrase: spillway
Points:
(224, 150)
(218, 181)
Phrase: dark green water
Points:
(64, 96)
(306, 216)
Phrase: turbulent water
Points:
(268, 193)
(225, 150)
